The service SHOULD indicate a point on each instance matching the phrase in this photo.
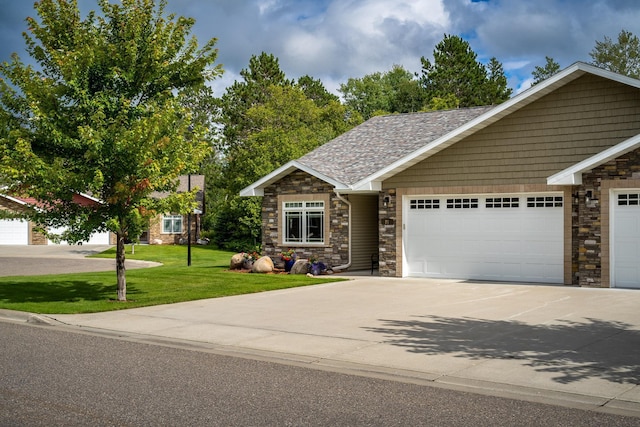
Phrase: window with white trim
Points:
(304, 222)
(172, 224)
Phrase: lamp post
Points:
(189, 225)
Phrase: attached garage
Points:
(95, 239)
(625, 248)
(14, 232)
(507, 237)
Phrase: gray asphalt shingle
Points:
(382, 140)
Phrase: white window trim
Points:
(173, 218)
(303, 198)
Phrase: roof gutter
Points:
(348, 264)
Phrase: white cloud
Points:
(336, 39)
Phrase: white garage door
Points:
(626, 239)
(515, 237)
(14, 232)
(96, 238)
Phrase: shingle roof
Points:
(382, 140)
(361, 159)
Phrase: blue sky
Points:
(336, 39)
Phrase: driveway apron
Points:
(556, 344)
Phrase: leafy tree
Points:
(550, 68)
(455, 70)
(366, 95)
(396, 91)
(621, 57)
(104, 114)
(269, 120)
(449, 102)
(263, 71)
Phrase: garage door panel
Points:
(515, 243)
(14, 232)
(626, 239)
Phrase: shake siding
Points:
(561, 129)
(364, 232)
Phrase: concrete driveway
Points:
(555, 344)
(57, 259)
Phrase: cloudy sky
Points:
(336, 39)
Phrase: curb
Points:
(21, 316)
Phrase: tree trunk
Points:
(120, 269)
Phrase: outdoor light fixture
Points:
(385, 201)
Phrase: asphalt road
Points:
(50, 376)
(42, 260)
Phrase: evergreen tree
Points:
(621, 57)
(456, 71)
(550, 68)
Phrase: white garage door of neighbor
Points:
(95, 239)
(514, 237)
(625, 255)
(14, 232)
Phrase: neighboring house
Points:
(172, 228)
(164, 229)
(542, 188)
(23, 232)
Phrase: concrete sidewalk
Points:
(570, 346)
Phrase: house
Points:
(542, 188)
(172, 228)
(164, 229)
(22, 232)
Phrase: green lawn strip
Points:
(208, 277)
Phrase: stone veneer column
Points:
(388, 222)
(592, 234)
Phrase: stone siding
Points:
(335, 251)
(588, 221)
(387, 233)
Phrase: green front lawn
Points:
(208, 277)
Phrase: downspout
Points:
(348, 264)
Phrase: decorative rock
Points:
(262, 265)
(156, 242)
(300, 267)
(236, 261)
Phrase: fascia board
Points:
(13, 199)
(573, 174)
(92, 198)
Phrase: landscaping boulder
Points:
(236, 261)
(262, 265)
(300, 267)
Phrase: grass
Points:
(207, 277)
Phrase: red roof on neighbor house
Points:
(80, 199)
